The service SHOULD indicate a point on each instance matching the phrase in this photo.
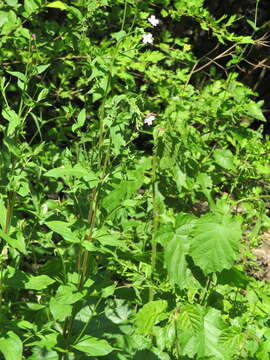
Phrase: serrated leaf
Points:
(215, 242)
(175, 260)
(153, 56)
(254, 111)
(117, 310)
(190, 318)
(62, 228)
(232, 339)
(11, 346)
(57, 5)
(224, 158)
(93, 346)
(38, 282)
(148, 315)
(199, 332)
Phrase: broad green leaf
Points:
(184, 223)
(80, 121)
(57, 5)
(15, 278)
(224, 158)
(12, 2)
(233, 277)
(205, 181)
(175, 260)
(126, 188)
(233, 339)
(38, 282)
(209, 337)
(148, 315)
(18, 244)
(153, 56)
(11, 346)
(68, 294)
(59, 311)
(62, 228)
(254, 110)
(38, 353)
(164, 234)
(263, 169)
(76, 171)
(30, 6)
(61, 303)
(190, 318)
(8, 21)
(117, 310)
(105, 238)
(215, 242)
(199, 332)
(93, 346)
(13, 119)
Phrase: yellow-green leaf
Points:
(57, 5)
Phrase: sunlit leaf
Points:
(62, 228)
(215, 242)
(224, 158)
(57, 5)
(148, 315)
(93, 346)
(11, 346)
(38, 282)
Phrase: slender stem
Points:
(124, 16)
(155, 225)
(256, 12)
(95, 193)
(251, 198)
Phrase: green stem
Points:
(155, 225)
(124, 16)
(95, 192)
(10, 205)
(252, 198)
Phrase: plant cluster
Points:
(132, 186)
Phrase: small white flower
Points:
(150, 118)
(148, 38)
(153, 20)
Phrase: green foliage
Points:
(132, 185)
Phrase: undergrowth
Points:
(132, 185)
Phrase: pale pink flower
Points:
(33, 36)
(153, 20)
(148, 38)
(150, 118)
